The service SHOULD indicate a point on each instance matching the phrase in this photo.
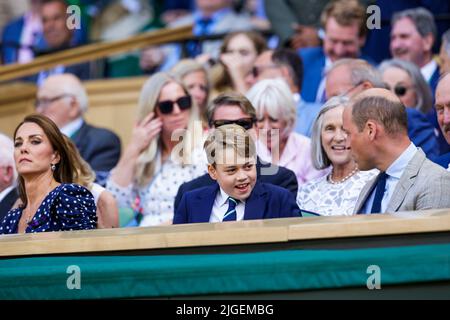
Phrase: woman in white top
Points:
(156, 163)
(276, 114)
(336, 193)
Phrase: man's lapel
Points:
(203, 204)
(406, 181)
(255, 205)
(364, 194)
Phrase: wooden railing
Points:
(281, 231)
(94, 51)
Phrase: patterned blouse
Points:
(67, 207)
(327, 199)
(157, 198)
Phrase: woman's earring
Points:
(53, 167)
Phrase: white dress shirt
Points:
(72, 127)
(428, 70)
(220, 207)
(394, 173)
(321, 90)
(5, 192)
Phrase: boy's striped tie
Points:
(231, 211)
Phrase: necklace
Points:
(345, 178)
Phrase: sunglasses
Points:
(166, 106)
(246, 123)
(399, 90)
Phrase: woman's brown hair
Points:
(65, 169)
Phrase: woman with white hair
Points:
(337, 192)
(277, 142)
(156, 163)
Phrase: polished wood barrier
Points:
(112, 104)
(94, 51)
(220, 234)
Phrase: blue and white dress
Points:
(67, 207)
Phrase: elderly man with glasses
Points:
(234, 108)
(63, 99)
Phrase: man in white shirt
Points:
(376, 124)
(8, 175)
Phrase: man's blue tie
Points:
(380, 188)
(231, 211)
(194, 47)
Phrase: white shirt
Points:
(220, 207)
(394, 172)
(428, 70)
(72, 127)
(5, 192)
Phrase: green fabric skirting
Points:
(175, 275)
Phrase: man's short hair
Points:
(7, 153)
(360, 71)
(345, 12)
(291, 59)
(391, 114)
(230, 99)
(226, 137)
(421, 18)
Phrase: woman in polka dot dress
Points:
(49, 199)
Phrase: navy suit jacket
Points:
(7, 202)
(422, 133)
(265, 202)
(284, 178)
(314, 65)
(99, 147)
(443, 160)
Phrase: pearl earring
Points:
(53, 167)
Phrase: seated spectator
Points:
(352, 76)
(195, 77)
(443, 114)
(238, 53)
(277, 142)
(344, 25)
(50, 201)
(22, 35)
(63, 99)
(405, 80)
(286, 64)
(107, 211)
(444, 53)
(376, 126)
(229, 108)
(58, 37)
(153, 165)
(337, 192)
(8, 175)
(237, 194)
(209, 18)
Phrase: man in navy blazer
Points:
(443, 116)
(236, 195)
(344, 24)
(63, 99)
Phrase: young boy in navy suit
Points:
(237, 195)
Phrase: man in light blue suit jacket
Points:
(344, 35)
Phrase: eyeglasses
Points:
(166, 106)
(399, 90)
(246, 123)
(256, 71)
(44, 102)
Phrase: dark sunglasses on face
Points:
(166, 106)
(246, 123)
(399, 90)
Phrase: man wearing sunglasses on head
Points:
(352, 76)
(234, 108)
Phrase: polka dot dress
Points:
(68, 207)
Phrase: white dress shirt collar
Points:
(72, 127)
(397, 168)
(220, 207)
(428, 70)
